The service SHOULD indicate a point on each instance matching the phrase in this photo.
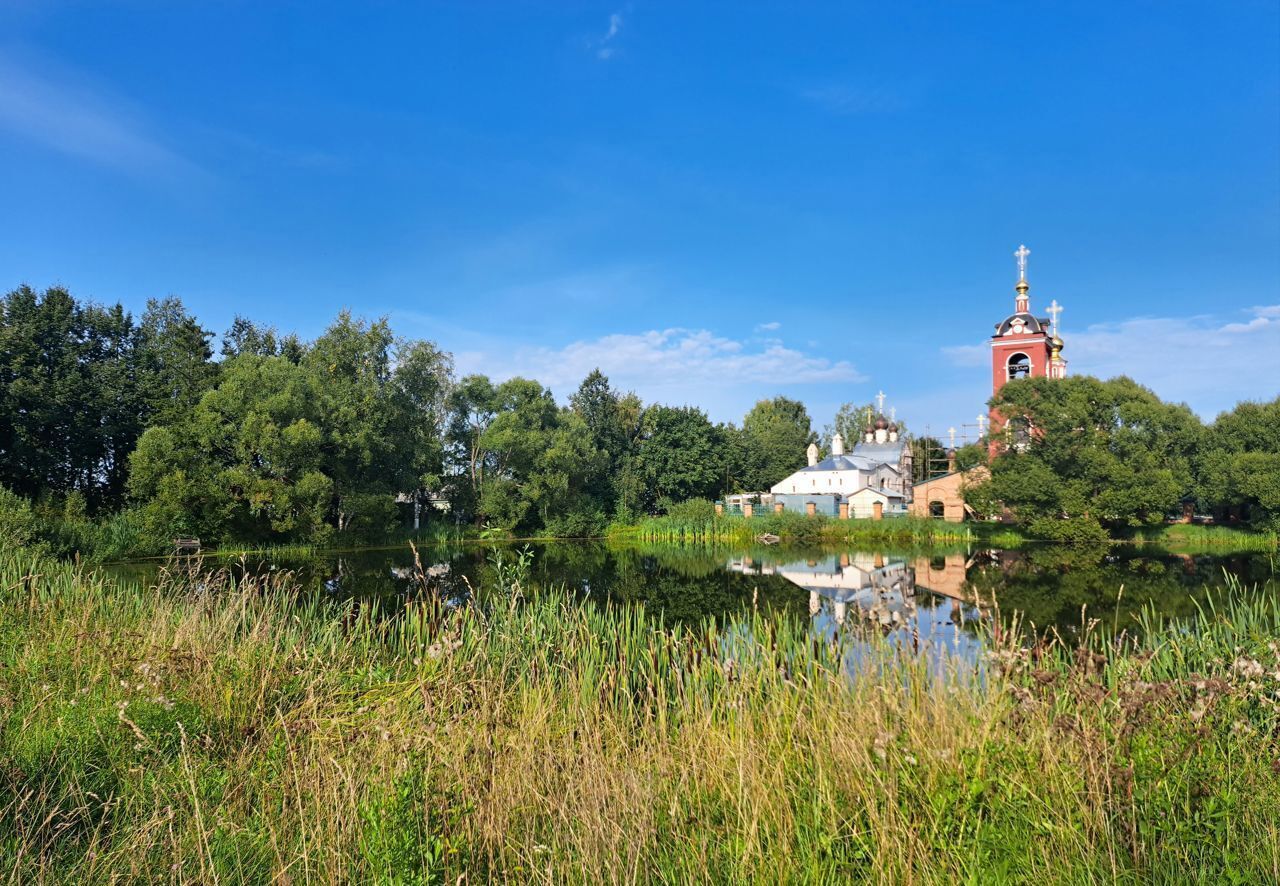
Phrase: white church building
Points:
(877, 470)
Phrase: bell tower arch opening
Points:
(1018, 366)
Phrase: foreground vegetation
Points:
(690, 525)
(203, 730)
(1191, 537)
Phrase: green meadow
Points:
(203, 728)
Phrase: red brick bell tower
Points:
(1024, 346)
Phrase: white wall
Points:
(808, 482)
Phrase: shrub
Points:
(694, 510)
(18, 523)
(1070, 530)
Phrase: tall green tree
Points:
(285, 450)
(677, 456)
(472, 405)
(245, 463)
(70, 405)
(175, 359)
(777, 432)
(601, 410)
(363, 435)
(1104, 453)
(850, 422)
(1238, 467)
(523, 463)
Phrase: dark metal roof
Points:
(1031, 323)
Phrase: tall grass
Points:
(1193, 537)
(798, 529)
(208, 730)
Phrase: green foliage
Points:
(282, 450)
(691, 511)
(528, 465)
(122, 435)
(1239, 465)
(776, 434)
(1081, 530)
(677, 454)
(1103, 452)
(970, 456)
(18, 524)
(794, 528)
(71, 405)
(397, 842)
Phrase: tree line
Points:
(137, 428)
(120, 434)
(1100, 458)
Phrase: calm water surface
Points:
(934, 602)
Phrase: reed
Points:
(206, 728)
(1194, 537)
(798, 529)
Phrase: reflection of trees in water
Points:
(678, 583)
(1051, 585)
(1047, 584)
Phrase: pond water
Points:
(932, 601)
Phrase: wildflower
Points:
(1242, 729)
(1248, 667)
(730, 668)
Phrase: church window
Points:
(1019, 366)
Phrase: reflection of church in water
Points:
(875, 588)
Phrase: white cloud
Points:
(605, 51)
(1203, 360)
(771, 326)
(967, 355)
(61, 111)
(669, 365)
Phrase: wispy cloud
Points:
(771, 326)
(1207, 361)
(65, 112)
(848, 100)
(605, 47)
(668, 365)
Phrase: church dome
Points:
(1056, 343)
(881, 424)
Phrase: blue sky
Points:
(713, 202)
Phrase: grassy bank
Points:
(801, 529)
(201, 731)
(1191, 537)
